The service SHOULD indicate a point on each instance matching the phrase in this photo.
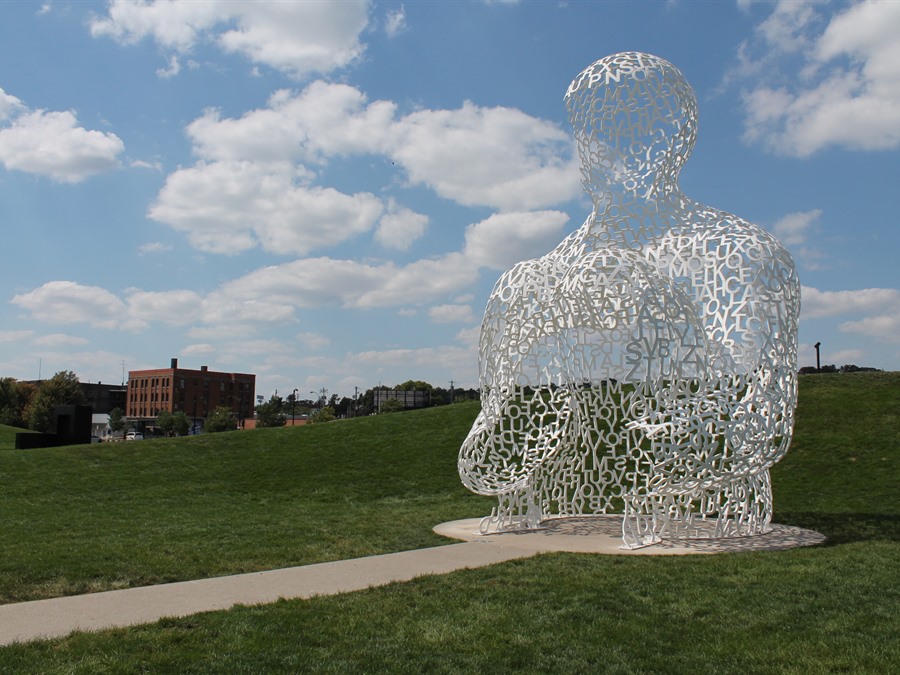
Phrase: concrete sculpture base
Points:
(603, 534)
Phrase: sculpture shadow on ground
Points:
(846, 528)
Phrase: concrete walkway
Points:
(57, 617)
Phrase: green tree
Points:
(325, 414)
(61, 389)
(166, 422)
(270, 413)
(392, 405)
(117, 420)
(180, 423)
(220, 419)
(11, 404)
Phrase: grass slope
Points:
(8, 435)
(115, 515)
(823, 609)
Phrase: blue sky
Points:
(324, 193)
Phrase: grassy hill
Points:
(8, 436)
(112, 515)
(100, 517)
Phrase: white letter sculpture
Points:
(647, 365)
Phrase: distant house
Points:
(196, 393)
(100, 426)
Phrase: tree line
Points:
(848, 368)
(29, 406)
(275, 411)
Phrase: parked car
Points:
(134, 436)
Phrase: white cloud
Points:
(794, 231)
(497, 157)
(817, 304)
(171, 70)
(793, 228)
(67, 302)
(297, 38)
(202, 349)
(787, 27)
(251, 188)
(52, 144)
(15, 335)
(271, 347)
(313, 341)
(59, 340)
(885, 328)
(400, 227)
(153, 247)
(228, 207)
(316, 282)
(875, 311)
(395, 22)
(176, 308)
(504, 239)
(223, 309)
(848, 92)
(215, 332)
(451, 314)
(144, 164)
(322, 120)
(469, 336)
(420, 281)
(461, 360)
(9, 105)
(264, 297)
(172, 24)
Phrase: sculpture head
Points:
(635, 120)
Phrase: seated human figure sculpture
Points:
(647, 365)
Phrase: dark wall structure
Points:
(71, 426)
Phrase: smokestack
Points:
(174, 363)
(203, 369)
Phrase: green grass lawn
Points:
(124, 514)
(114, 515)
(8, 436)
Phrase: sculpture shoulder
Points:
(709, 227)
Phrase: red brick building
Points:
(196, 393)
